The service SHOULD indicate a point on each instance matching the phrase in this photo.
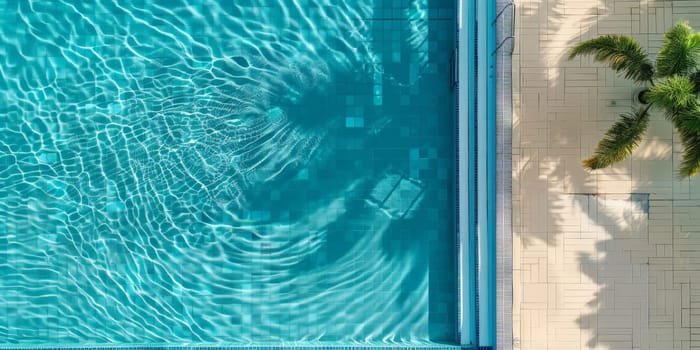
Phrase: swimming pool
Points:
(240, 172)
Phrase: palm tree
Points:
(673, 86)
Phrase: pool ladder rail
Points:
(454, 56)
(511, 37)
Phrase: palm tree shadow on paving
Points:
(620, 267)
(535, 171)
(621, 274)
(572, 191)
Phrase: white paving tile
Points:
(596, 267)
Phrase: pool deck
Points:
(607, 259)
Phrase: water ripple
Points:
(135, 139)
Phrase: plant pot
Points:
(639, 97)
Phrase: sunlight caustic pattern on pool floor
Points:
(226, 171)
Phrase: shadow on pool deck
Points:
(582, 272)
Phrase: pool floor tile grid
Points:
(396, 120)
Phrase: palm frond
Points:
(622, 53)
(620, 140)
(690, 164)
(673, 94)
(695, 78)
(687, 123)
(680, 51)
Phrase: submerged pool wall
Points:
(465, 88)
(477, 144)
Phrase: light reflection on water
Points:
(203, 172)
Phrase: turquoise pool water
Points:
(248, 171)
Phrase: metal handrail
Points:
(503, 42)
(454, 69)
(512, 24)
(510, 4)
(512, 27)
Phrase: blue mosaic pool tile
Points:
(134, 148)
